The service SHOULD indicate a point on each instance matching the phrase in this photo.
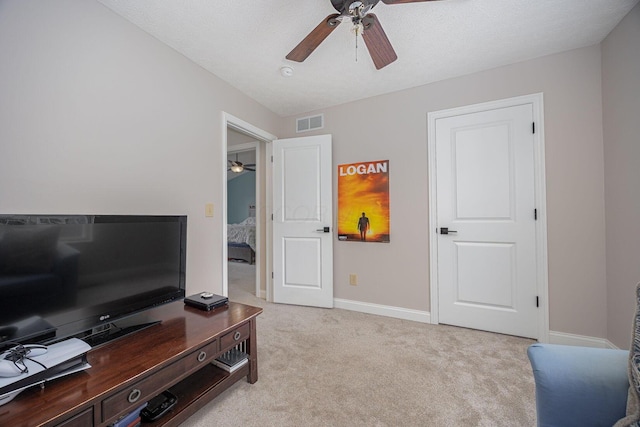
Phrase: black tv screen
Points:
(76, 275)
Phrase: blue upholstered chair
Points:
(579, 386)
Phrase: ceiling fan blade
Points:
(377, 42)
(313, 40)
(404, 1)
(250, 169)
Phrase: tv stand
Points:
(174, 354)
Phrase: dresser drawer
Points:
(235, 337)
(83, 419)
(142, 391)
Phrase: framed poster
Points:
(363, 202)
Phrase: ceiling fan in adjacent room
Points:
(364, 23)
(237, 166)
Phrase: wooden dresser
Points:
(174, 354)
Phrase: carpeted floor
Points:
(333, 367)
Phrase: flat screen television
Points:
(87, 276)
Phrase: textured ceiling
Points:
(244, 42)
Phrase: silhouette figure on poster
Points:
(363, 227)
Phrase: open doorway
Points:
(246, 255)
(242, 224)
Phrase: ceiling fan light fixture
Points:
(358, 9)
(237, 168)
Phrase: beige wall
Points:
(621, 100)
(97, 116)
(394, 127)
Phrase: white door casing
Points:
(303, 221)
(487, 182)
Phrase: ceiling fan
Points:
(237, 166)
(364, 22)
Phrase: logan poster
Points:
(363, 202)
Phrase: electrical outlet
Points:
(353, 279)
(208, 210)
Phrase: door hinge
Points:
(535, 214)
(272, 274)
(537, 301)
(533, 127)
(271, 159)
(271, 217)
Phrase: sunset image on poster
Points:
(363, 202)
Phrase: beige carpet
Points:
(321, 367)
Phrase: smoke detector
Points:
(286, 71)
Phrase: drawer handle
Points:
(237, 335)
(134, 395)
(202, 356)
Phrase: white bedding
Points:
(245, 232)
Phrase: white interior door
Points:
(486, 261)
(303, 221)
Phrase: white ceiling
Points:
(244, 42)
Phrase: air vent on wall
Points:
(305, 124)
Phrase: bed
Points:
(241, 239)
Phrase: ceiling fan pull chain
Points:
(357, 30)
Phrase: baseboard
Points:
(579, 340)
(383, 310)
(425, 317)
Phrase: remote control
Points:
(158, 406)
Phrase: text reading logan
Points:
(362, 169)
